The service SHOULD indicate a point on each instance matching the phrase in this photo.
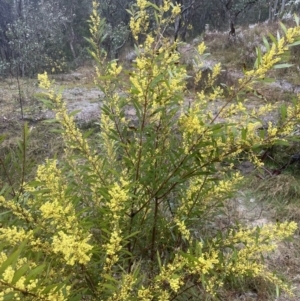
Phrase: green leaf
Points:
(153, 5)
(283, 112)
(273, 39)
(158, 260)
(278, 36)
(19, 273)
(110, 278)
(294, 44)
(296, 19)
(266, 80)
(155, 16)
(48, 103)
(88, 133)
(244, 134)
(277, 291)
(258, 58)
(50, 288)
(2, 138)
(266, 43)
(129, 12)
(285, 65)
(12, 259)
(36, 271)
(262, 133)
(103, 38)
(3, 212)
(9, 296)
(282, 142)
(105, 77)
(75, 112)
(283, 27)
(109, 286)
(50, 121)
(131, 234)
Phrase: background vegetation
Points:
(54, 30)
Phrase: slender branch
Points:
(154, 231)
(8, 178)
(196, 198)
(183, 291)
(24, 144)
(20, 95)
(23, 291)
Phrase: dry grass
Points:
(278, 199)
(247, 39)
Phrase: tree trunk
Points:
(282, 7)
(72, 37)
(275, 10)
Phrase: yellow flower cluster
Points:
(44, 82)
(190, 196)
(142, 4)
(114, 69)
(182, 228)
(51, 177)
(153, 76)
(16, 209)
(73, 248)
(168, 274)
(205, 263)
(272, 131)
(95, 20)
(176, 10)
(113, 247)
(292, 33)
(166, 5)
(226, 187)
(148, 44)
(269, 59)
(125, 292)
(140, 22)
(201, 48)
(144, 294)
(252, 246)
(72, 135)
(56, 211)
(15, 236)
(216, 70)
(22, 286)
(56, 207)
(108, 144)
(119, 195)
(190, 123)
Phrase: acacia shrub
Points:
(132, 217)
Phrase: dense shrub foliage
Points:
(133, 216)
